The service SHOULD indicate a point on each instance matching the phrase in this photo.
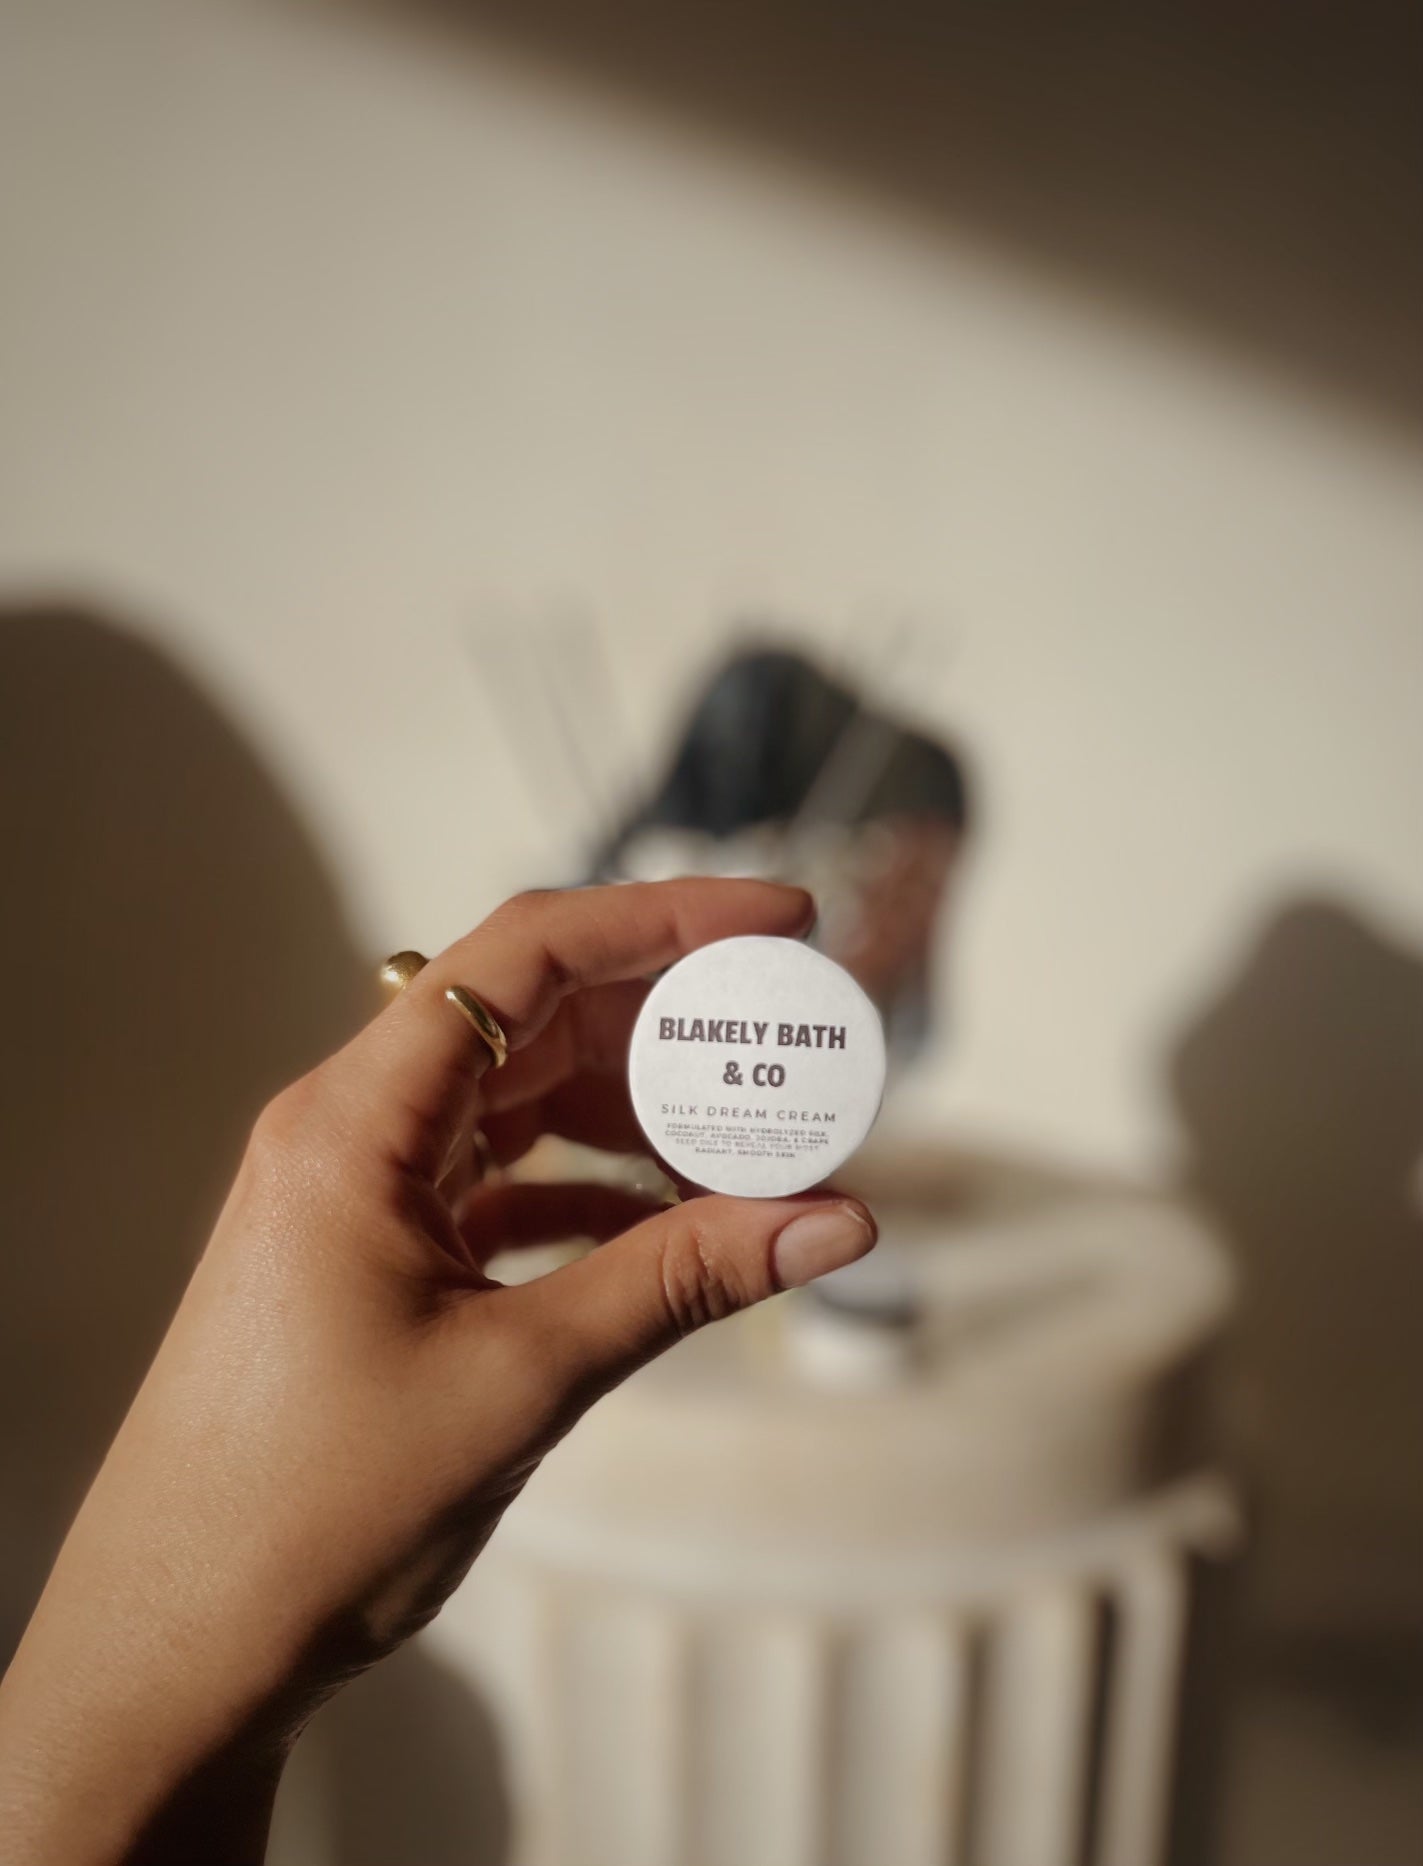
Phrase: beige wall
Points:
(317, 343)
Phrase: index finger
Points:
(410, 1074)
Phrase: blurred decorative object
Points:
(782, 771)
(927, 1599)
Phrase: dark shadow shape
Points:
(1249, 173)
(1301, 1092)
(173, 951)
(411, 1766)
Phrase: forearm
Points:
(219, 1815)
(79, 1787)
(125, 1739)
(152, 1701)
(206, 1599)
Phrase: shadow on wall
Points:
(1241, 172)
(1301, 1092)
(403, 1765)
(174, 951)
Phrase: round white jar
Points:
(756, 1067)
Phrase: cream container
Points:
(756, 1067)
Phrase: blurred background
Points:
(968, 458)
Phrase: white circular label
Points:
(756, 1067)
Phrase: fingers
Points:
(607, 1314)
(510, 1216)
(588, 1033)
(595, 1111)
(407, 1079)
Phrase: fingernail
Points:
(821, 1240)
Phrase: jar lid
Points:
(756, 1067)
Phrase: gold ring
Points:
(401, 967)
(483, 1020)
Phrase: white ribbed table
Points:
(739, 1619)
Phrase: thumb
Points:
(608, 1313)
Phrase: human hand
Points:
(345, 1402)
